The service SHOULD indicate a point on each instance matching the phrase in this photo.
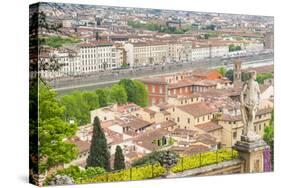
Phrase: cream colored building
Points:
(156, 52)
(253, 46)
(152, 114)
(199, 52)
(233, 126)
(179, 100)
(69, 61)
(104, 114)
(99, 56)
(187, 116)
(149, 53)
(179, 51)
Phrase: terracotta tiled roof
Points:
(151, 112)
(180, 84)
(206, 139)
(83, 146)
(195, 149)
(179, 131)
(136, 123)
(97, 44)
(197, 109)
(227, 117)
(209, 127)
(146, 139)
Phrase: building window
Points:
(153, 89)
(178, 119)
(255, 128)
(260, 127)
(161, 89)
(234, 135)
(188, 120)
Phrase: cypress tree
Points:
(119, 160)
(99, 155)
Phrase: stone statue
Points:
(250, 99)
(61, 180)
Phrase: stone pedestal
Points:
(252, 153)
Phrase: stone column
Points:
(252, 154)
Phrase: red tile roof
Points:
(209, 126)
(197, 109)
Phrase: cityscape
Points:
(120, 94)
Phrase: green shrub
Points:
(77, 174)
(149, 171)
(207, 158)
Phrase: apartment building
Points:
(99, 56)
(203, 51)
(150, 53)
(156, 52)
(183, 84)
(68, 60)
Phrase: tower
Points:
(237, 71)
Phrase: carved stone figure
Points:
(61, 180)
(250, 99)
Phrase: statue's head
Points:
(253, 75)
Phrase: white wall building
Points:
(98, 56)
(253, 47)
(199, 52)
(156, 52)
(68, 60)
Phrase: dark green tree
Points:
(119, 159)
(78, 106)
(269, 136)
(130, 88)
(141, 97)
(118, 94)
(53, 131)
(99, 155)
(103, 97)
(91, 99)
(229, 74)
(136, 91)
